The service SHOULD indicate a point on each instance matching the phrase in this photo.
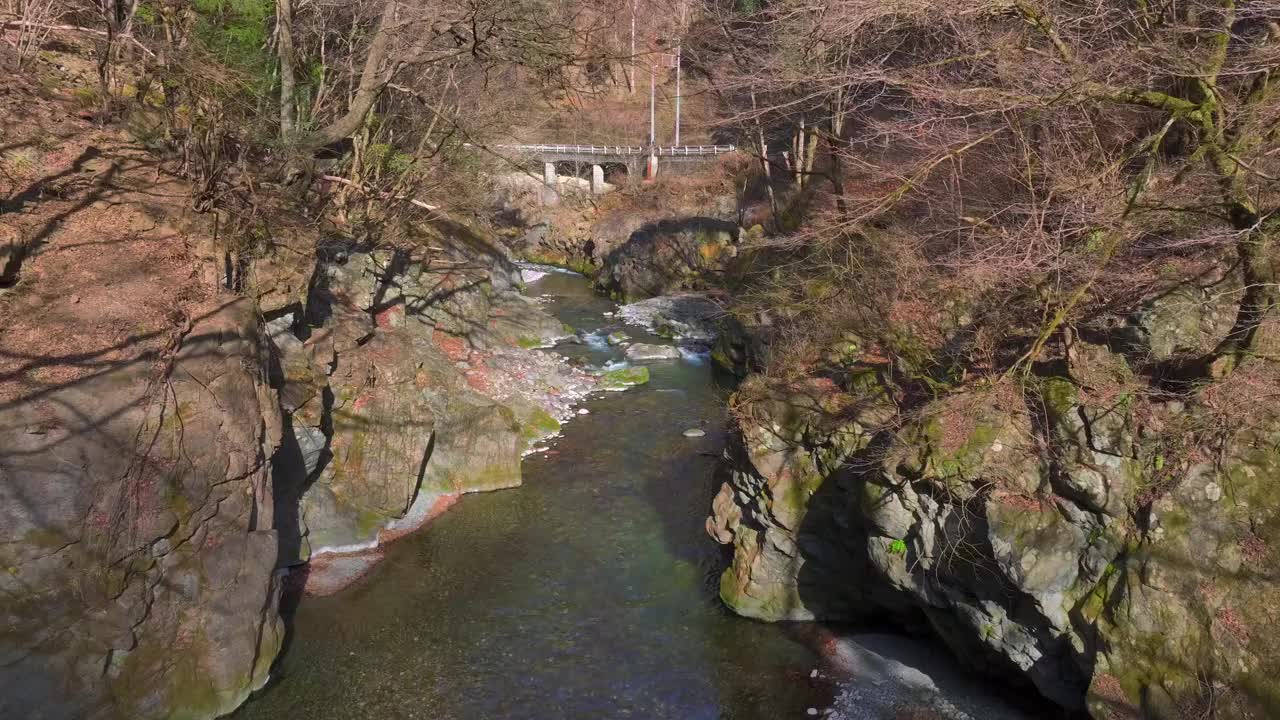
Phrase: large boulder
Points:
(691, 318)
(136, 512)
(380, 421)
(408, 379)
(1186, 617)
(1043, 531)
(1185, 318)
(777, 509)
(668, 256)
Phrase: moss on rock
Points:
(624, 378)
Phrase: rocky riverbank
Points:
(172, 448)
(408, 379)
(1067, 530)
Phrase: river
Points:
(589, 592)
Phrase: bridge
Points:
(597, 156)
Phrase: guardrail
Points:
(637, 150)
(696, 150)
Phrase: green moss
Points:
(368, 522)
(351, 460)
(960, 464)
(624, 378)
(1175, 521)
(188, 691)
(1060, 396)
(490, 477)
(578, 265)
(665, 331)
(872, 497)
(778, 604)
(540, 424)
(1095, 603)
(720, 356)
(865, 380)
(44, 538)
(529, 343)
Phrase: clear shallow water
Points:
(590, 592)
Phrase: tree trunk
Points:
(798, 145)
(810, 153)
(288, 95)
(1260, 293)
(373, 78)
(837, 166)
(764, 165)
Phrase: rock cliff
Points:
(169, 447)
(407, 379)
(1110, 545)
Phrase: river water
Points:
(589, 592)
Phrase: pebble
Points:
(811, 711)
(694, 433)
(1213, 492)
(583, 411)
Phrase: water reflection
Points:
(590, 592)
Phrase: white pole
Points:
(653, 158)
(677, 142)
(652, 99)
(631, 64)
(679, 48)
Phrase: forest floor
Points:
(99, 270)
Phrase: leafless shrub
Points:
(32, 21)
(1041, 158)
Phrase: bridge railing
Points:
(695, 150)
(576, 149)
(637, 150)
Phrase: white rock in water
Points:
(645, 351)
(811, 711)
(583, 411)
(694, 432)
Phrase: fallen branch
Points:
(382, 195)
(73, 28)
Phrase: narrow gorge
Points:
(370, 358)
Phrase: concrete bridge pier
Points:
(550, 193)
(597, 180)
(651, 168)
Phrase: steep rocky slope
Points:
(1112, 546)
(408, 378)
(169, 446)
(136, 429)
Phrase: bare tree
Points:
(1030, 144)
(32, 21)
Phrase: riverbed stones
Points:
(687, 317)
(646, 351)
(623, 378)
